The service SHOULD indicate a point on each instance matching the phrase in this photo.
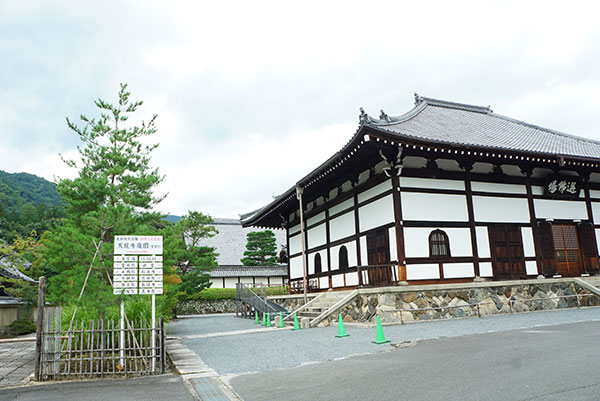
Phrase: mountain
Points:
(19, 189)
(172, 218)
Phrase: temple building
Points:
(447, 192)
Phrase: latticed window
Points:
(318, 267)
(343, 257)
(438, 244)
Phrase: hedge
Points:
(229, 293)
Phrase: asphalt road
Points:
(560, 362)
(164, 387)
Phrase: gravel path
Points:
(278, 349)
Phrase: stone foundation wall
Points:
(460, 302)
(201, 307)
(291, 302)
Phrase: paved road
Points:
(275, 349)
(164, 387)
(16, 362)
(547, 363)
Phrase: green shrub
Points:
(216, 293)
(21, 326)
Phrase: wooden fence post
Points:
(40, 326)
(162, 346)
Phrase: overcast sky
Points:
(253, 95)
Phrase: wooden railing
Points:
(378, 275)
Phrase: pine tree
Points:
(113, 194)
(261, 249)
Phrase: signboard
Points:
(138, 267)
(562, 187)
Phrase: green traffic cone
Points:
(268, 320)
(296, 325)
(341, 329)
(281, 325)
(256, 318)
(380, 339)
(264, 322)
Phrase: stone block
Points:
(487, 307)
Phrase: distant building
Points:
(230, 244)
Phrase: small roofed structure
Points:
(229, 276)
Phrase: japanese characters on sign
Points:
(138, 265)
(562, 187)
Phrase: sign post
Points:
(138, 269)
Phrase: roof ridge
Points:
(452, 105)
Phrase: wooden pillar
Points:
(400, 250)
(534, 226)
(357, 229)
(40, 327)
(472, 228)
(328, 242)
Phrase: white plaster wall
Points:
(531, 268)
(434, 207)
(352, 278)
(230, 282)
(500, 210)
(364, 259)
(376, 190)
(247, 280)
(416, 241)
(499, 188)
(311, 261)
(414, 182)
(263, 280)
(393, 248)
(295, 244)
(323, 282)
(315, 219)
(537, 190)
(422, 272)
(528, 246)
(458, 270)
(596, 211)
(485, 269)
(337, 280)
(598, 237)
(483, 242)
(335, 253)
(376, 214)
(294, 229)
(557, 209)
(296, 267)
(341, 227)
(594, 193)
(347, 204)
(316, 236)
(216, 282)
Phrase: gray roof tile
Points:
(248, 271)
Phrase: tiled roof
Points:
(230, 242)
(10, 271)
(451, 123)
(10, 301)
(248, 271)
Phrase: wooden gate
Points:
(378, 253)
(566, 248)
(94, 349)
(506, 244)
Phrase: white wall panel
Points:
(531, 268)
(296, 267)
(335, 252)
(316, 236)
(348, 203)
(216, 282)
(351, 278)
(376, 214)
(247, 280)
(414, 182)
(528, 246)
(337, 280)
(342, 226)
(311, 261)
(500, 210)
(594, 193)
(416, 241)
(294, 229)
(498, 188)
(557, 209)
(596, 212)
(315, 219)
(434, 207)
(376, 190)
(485, 269)
(458, 270)
(422, 272)
(537, 190)
(295, 244)
(393, 247)
(230, 282)
(363, 251)
(323, 282)
(483, 242)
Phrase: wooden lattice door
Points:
(378, 253)
(566, 249)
